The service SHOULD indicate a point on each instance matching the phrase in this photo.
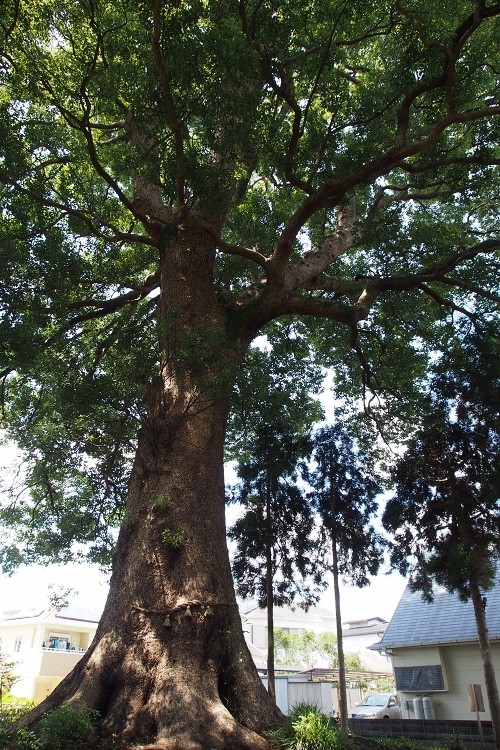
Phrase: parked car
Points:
(377, 706)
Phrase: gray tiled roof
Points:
(79, 613)
(445, 620)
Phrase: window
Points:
(415, 679)
(17, 644)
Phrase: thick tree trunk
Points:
(169, 666)
(487, 659)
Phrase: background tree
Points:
(176, 178)
(345, 489)
(7, 675)
(308, 649)
(275, 559)
(445, 513)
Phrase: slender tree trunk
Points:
(340, 644)
(488, 667)
(169, 666)
(271, 682)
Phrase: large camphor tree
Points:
(176, 178)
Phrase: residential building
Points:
(317, 618)
(435, 653)
(45, 645)
(357, 635)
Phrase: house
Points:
(45, 645)
(254, 619)
(435, 653)
(357, 635)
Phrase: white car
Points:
(377, 706)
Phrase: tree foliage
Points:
(445, 511)
(7, 675)
(345, 489)
(277, 522)
(357, 142)
(309, 649)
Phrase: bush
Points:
(68, 728)
(309, 729)
(12, 737)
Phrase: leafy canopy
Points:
(345, 489)
(341, 157)
(445, 512)
(309, 649)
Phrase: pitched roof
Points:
(445, 620)
(374, 626)
(314, 613)
(66, 613)
(79, 613)
(367, 622)
(20, 614)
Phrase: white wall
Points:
(461, 665)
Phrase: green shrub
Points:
(12, 737)
(309, 729)
(68, 728)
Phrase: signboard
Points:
(475, 696)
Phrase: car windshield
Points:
(375, 700)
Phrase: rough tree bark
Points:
(169, 666)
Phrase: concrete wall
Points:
(426, 731)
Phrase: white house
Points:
(357, 635)
(46, 645)
(435, 653)
(318, 619)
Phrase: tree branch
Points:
(173, 119)
(446, 303)
(87, 217)
(283, 92)
(313, 263)
(226, 247)
(132, 297)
